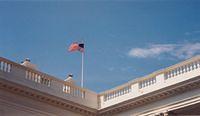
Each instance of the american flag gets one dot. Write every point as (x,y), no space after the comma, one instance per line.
(76,47)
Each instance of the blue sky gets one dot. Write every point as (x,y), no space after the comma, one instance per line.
(123,40)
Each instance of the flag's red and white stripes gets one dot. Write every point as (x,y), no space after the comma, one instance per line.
(76,47)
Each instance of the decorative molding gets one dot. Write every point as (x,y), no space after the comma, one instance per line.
(152,97)
(46,98)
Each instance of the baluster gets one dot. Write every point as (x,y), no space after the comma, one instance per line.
(114,94)
(39,79)
(29,77)
(175,72)
(125,89)
(144,84)
(181,69)
(9,67)
(2,65)
(105,97)
(166,76)
(75,89)
(140,85)
(64,88)
(195,65)
(169,75)
(5,66)
(83,94)
(36,75)
(79,93)
(26,75)
(185,69)
(111,95)
(71,90)
(178,71)
(120,92)
(49,82)
(108,96)
(198,64)
(45,81)
(191,66)
(172,73)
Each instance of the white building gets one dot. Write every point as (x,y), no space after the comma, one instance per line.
(25,91)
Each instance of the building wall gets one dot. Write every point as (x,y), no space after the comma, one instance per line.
(15,105)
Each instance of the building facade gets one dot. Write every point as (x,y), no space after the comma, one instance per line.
(173,91)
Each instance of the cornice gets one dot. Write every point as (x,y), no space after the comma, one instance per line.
(46,98)
(121,107)
(152,97)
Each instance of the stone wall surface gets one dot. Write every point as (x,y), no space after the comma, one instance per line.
(15,105)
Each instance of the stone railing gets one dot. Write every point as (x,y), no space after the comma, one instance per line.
(74,90)
(38,78)
(157,80)
(5,66)
(116,93)
(147,82)
(182,68)
(45,83)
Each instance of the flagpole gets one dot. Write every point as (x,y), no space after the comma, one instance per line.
(82,63)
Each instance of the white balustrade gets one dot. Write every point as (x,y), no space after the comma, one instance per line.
(136,88)
(116,93)
(182,69)
(38,78)
(74,91)
(5,66)
(147,82)
(145,85)
(46,83)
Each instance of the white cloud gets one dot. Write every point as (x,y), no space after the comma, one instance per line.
(151,51)
(192,32)
(181,51)
(187,50)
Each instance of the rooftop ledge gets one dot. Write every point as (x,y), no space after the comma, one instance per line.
(44,83)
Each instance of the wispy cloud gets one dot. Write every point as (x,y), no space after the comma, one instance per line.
(181,51)
(192,32)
